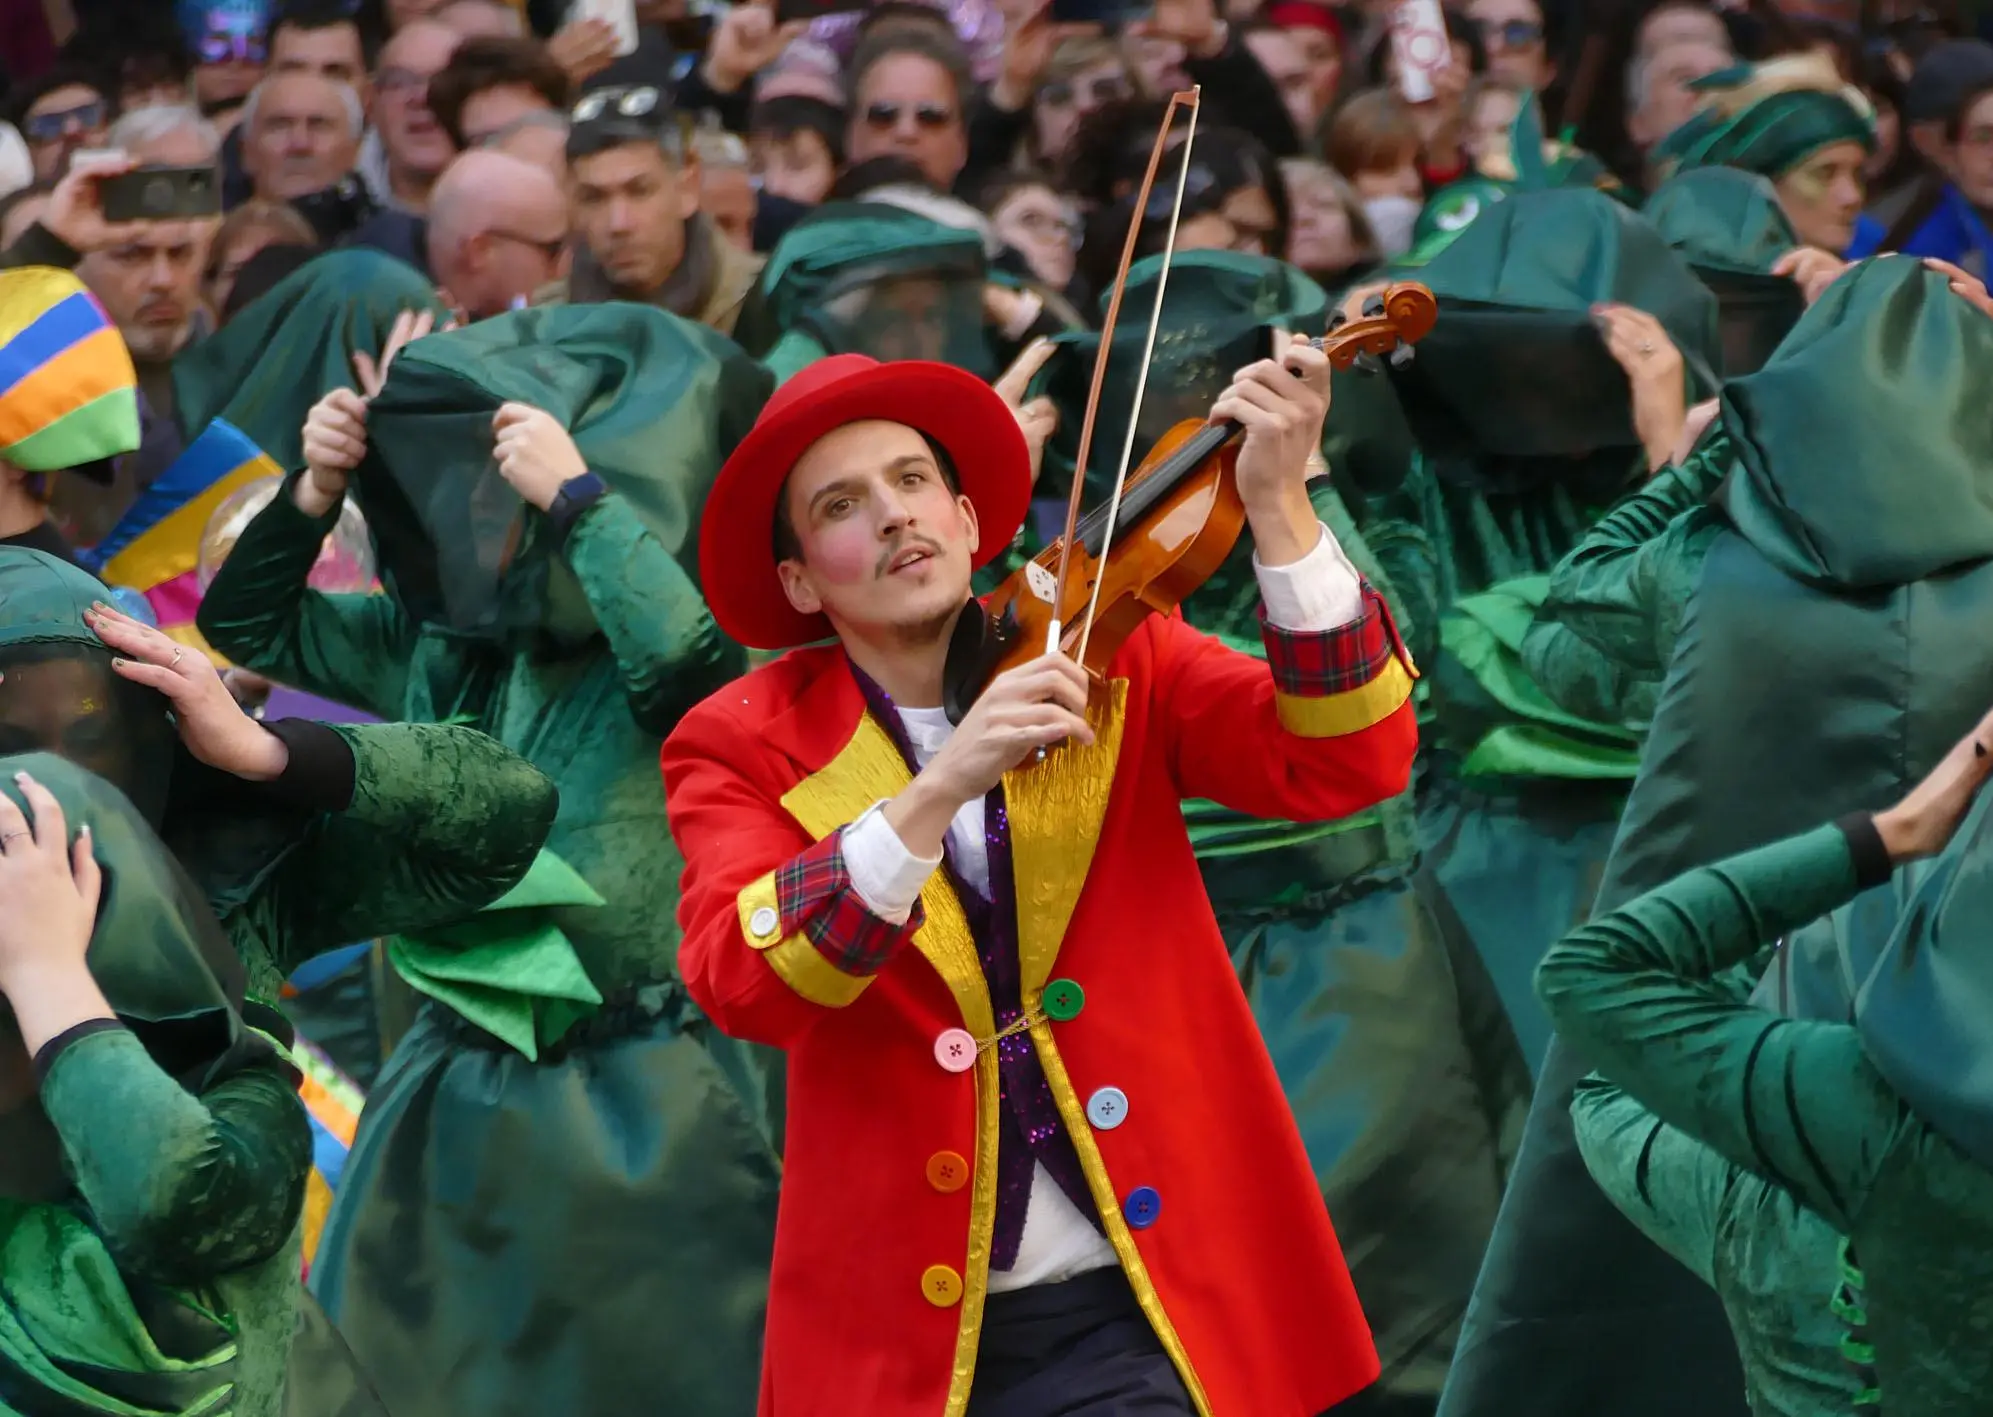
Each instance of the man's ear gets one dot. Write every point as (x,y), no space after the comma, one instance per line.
(688,186)
(796,584)
(969,520)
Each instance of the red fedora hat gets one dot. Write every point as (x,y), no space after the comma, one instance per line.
(965,416)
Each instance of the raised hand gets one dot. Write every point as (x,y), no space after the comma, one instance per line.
(211,723)
(51,888)
(747,41)
(1281,404)
(534,453)
(1654,368)
(1923,822)
(584,48)
(1809,268)
(75,212)
(1036,418)
(1966,286)
(335,440)
(408,326)
(1027,48)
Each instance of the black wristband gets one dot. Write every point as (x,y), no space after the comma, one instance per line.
(46,1055)
(1865,849)
(321,774)
(576,496)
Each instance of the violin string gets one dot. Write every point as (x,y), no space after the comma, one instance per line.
(1142,374)
(1107,328)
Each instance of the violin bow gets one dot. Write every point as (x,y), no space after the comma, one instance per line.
(1187,100)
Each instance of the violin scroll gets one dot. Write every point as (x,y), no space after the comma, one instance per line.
(1390,322)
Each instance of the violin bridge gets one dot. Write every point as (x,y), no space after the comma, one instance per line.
(1041,581)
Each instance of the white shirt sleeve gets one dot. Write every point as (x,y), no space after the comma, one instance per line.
(886,875)
(1321,591)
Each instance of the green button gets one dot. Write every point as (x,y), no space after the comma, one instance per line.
(1063,1000)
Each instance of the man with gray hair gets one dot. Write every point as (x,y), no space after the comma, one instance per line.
(497,231)
(1658,96)
(300,134)
(166,135)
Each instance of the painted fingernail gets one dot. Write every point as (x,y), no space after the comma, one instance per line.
(120,663)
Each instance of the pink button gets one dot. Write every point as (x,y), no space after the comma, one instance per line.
(955,1050)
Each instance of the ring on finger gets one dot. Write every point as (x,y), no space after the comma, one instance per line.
(175,660)
(1646,346)
(6,837)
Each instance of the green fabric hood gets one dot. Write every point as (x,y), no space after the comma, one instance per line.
(42,600)
(1864,457)
(872,278)
(655,404)
(157,952)
(1728,225)
(1769,118)
(1516,366)
(294,344)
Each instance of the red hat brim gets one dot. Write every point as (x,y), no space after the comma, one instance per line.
(965,416)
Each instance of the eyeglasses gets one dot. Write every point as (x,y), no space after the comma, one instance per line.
(222,46)
(932,116)
(1513,34)
(1051,226)
(538,118)
(1106,89)
(625,102)
(552,250)
(402,81)
(49,127)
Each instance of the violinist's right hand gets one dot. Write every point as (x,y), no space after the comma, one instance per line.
(1024,709)
(335,440)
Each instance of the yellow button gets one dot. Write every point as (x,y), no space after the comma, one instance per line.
(947,1171)
(941,1286)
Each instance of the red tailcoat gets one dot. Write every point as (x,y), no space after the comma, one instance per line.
(884,1234)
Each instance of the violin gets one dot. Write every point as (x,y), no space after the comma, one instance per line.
(1173,524)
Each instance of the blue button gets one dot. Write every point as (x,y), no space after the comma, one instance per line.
(1142,1207)
(1107,1109)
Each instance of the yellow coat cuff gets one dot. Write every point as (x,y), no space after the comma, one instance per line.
(792,956)
(1352,711)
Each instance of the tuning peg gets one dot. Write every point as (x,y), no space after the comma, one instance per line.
(1367,364)
(1373,308)
(1402,355)
(1337,321)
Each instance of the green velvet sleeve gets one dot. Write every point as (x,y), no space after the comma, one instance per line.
(352,649)
(1668,1184)
(184,1189)
(670,651)
(1604,635)
(1636,992)
(444,820)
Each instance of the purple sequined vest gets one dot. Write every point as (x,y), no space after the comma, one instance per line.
(1029,1128)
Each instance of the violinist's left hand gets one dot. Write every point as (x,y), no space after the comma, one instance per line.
(1281,403)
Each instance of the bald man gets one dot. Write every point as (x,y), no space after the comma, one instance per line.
(497,231)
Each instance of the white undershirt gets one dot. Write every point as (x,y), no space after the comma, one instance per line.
(1319,592)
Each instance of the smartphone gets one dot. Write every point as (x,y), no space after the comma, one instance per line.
(1106,13)
(1420,44)
(161,194)
(621,15)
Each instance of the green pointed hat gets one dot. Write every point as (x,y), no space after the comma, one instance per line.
(655,404)
(157,952)
(1728,225)
(1516,367)
(1768,118)
(1863,450)
(294,344)
(875,279)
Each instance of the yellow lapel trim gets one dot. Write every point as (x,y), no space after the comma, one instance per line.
(866,770)
(1056,808)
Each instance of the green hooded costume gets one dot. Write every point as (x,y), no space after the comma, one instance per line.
(294,344)
(1827,657)
(552,1206)
(870,278)
(1728,225)
(1526,434)
(1406,1081)
(437,823)
(1880,1125)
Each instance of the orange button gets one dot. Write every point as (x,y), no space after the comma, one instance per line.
(941,1286)
(947,1171)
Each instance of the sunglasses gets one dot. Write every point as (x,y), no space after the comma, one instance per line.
(620,102)
(1513,34)
(931,116)
(49,127)
(224,46)
(1061,93)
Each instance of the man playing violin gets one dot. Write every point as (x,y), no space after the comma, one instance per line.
(1037,1158)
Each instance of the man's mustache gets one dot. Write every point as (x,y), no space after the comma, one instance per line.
(932,548)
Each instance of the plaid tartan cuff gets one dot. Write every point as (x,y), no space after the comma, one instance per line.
(1314,664)
(815,898)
